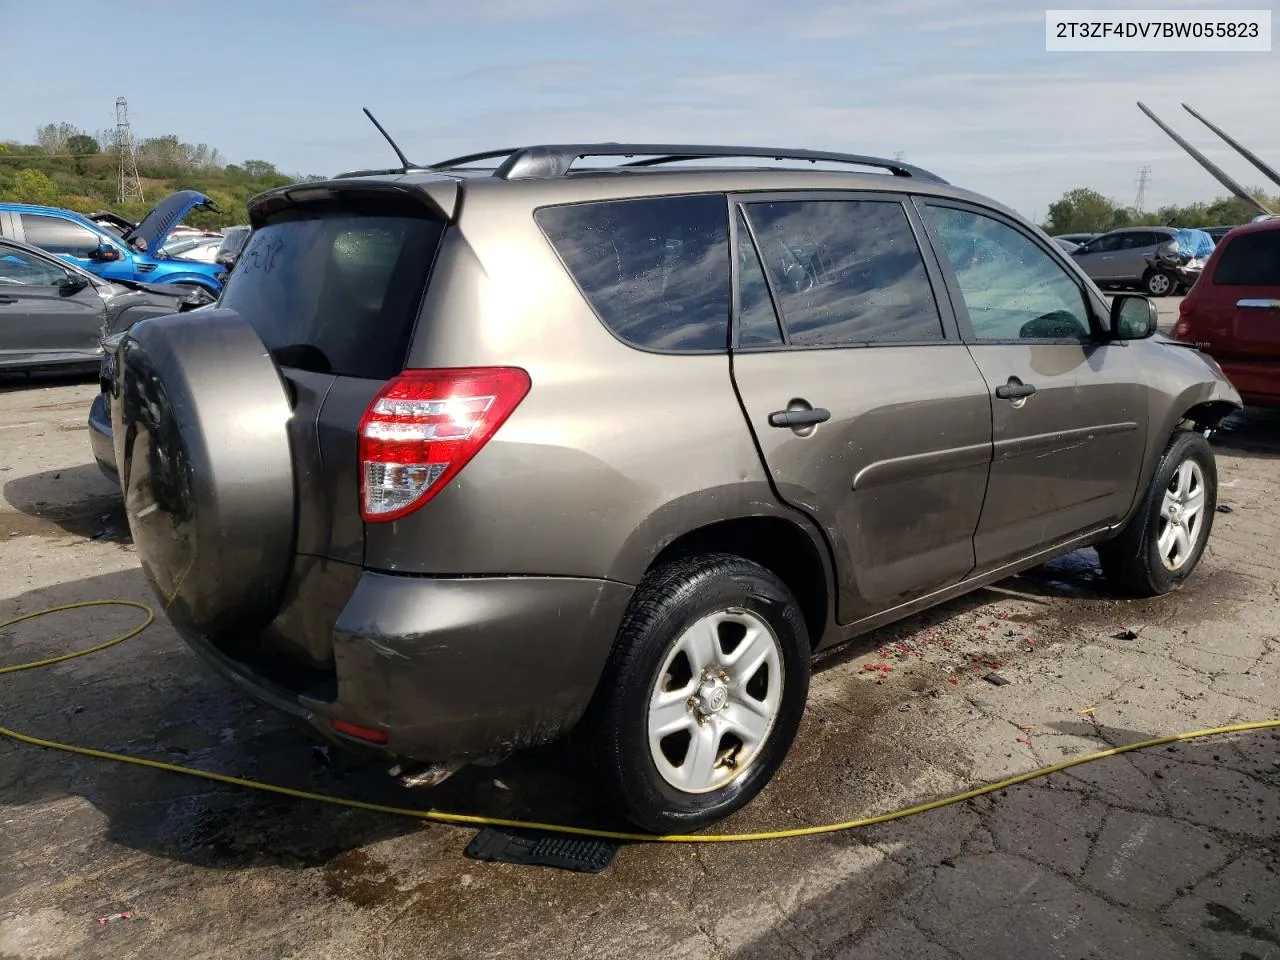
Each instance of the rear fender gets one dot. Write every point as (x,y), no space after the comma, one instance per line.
(711,512)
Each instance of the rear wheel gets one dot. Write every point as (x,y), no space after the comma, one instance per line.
(1164,541)
(1157,284)
(703,694)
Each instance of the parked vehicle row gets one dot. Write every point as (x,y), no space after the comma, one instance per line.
(465,459)
(54,314)
(111,247)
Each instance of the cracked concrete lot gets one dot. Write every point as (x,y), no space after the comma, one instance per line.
(1164,854)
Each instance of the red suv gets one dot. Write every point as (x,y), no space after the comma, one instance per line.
(1233,311)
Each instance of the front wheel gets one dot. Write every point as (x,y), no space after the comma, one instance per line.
(1161,545)
(703,693)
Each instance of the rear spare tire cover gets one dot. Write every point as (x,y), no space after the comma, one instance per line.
(206,469)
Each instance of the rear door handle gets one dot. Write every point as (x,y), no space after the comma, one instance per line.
(1259,304)
(1014,391)
(799,418)
(8,299)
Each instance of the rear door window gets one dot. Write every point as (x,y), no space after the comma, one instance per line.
(335,292)
(1250,260)
(655,270)
(846,272)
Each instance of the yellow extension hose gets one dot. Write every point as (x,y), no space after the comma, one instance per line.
(466,820)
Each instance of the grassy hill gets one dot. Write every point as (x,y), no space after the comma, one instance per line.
(70,168)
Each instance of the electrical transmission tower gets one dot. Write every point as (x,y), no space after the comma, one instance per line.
(129,186)
(1144,177)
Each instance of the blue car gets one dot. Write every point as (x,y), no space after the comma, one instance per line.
(135,256)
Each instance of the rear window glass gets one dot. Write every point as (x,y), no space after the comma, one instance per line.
(656,270)
(335,293)
(1250,260)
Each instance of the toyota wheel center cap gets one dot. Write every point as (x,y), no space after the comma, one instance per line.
(713,695)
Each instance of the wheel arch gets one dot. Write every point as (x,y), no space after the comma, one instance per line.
(780,545)
(1207,414)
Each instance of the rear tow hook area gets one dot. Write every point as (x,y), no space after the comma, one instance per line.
(417,774)
(425,774)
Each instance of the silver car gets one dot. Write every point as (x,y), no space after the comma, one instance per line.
(1120,259)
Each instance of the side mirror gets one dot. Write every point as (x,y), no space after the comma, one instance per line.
(1132,317)
(227,260)
(105,253)
(71,284)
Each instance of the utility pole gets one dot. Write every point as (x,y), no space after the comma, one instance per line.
(128,185)
(1144,177)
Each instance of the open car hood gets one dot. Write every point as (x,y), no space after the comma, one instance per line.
(104,217)
(154,229)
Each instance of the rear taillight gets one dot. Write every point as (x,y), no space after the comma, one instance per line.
(423,427)
(1182,328)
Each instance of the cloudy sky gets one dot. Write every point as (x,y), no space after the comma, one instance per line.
(963,87)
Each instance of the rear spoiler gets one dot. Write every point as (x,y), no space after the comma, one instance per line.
(438,194)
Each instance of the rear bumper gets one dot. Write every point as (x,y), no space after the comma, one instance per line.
(1257,381)
(449,669)
(100,438)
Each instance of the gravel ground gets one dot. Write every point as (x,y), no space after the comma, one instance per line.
(1164,854)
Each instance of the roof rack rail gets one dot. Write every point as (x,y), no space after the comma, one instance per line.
(382,172)
(555,160)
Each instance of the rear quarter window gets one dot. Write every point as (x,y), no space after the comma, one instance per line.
(335,292)
(1250,260)
(655,270)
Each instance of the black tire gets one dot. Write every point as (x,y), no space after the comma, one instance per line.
(1133,561)
(1157,284)
(667,602)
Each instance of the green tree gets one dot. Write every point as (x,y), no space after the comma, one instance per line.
(80,146)
(1081,211)
(32,186)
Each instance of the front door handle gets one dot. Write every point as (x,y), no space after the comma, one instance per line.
(1014,391)
(8,299)
(799,418)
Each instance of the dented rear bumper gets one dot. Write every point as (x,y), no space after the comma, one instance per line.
(446,668)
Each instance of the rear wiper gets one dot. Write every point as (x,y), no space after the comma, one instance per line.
(302,356)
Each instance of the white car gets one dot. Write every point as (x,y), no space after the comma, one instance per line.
(202,248)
